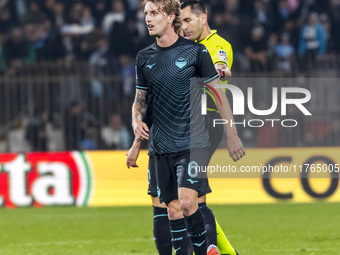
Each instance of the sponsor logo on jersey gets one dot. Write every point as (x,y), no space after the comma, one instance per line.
(150,66)
(191,181)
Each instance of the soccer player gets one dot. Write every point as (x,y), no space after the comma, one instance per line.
(194,18)
(163,71)
(195,26)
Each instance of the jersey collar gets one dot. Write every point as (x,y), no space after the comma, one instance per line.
(213,32)
(171,46)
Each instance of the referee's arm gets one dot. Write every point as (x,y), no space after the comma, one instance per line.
(234,143)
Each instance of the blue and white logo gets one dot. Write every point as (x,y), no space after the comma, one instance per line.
(191,181)
(150,66)
(199,244)
(176,250)
(181,62)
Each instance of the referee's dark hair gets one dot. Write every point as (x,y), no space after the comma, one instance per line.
(197,6)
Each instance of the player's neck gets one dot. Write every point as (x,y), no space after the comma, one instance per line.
(167,39)
(206,31)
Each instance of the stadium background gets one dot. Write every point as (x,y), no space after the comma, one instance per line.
(66,90)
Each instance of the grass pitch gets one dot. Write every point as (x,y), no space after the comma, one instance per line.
(299,229)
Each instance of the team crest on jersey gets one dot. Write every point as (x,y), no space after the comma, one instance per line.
(223,56)
(181,62)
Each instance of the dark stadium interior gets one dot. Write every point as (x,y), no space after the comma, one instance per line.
(68,78)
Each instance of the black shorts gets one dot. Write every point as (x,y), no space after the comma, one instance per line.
(152,190)
(215,133)
(177,170)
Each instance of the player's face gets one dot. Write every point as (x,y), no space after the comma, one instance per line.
(191,24)
(156,20)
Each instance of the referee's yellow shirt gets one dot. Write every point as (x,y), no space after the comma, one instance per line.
(219,49)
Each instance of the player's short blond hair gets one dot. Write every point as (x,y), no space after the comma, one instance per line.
(169,7)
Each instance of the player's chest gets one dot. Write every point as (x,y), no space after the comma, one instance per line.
(167,67)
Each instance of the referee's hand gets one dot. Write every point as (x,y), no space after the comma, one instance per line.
(224,74)
(223,71)
(235,147)
(141,131)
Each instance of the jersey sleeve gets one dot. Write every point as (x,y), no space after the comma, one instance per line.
(206,66)
(222,53)
(140,78)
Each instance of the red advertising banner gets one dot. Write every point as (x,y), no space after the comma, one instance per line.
(41,179)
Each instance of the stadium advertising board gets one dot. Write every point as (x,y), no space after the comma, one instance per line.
(44,179)
(271,175)
(101,178)
(119,186)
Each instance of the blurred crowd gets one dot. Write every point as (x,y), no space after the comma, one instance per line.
(265,34)
(287,36)
(104,33)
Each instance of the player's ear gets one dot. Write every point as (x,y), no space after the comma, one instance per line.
(171,18)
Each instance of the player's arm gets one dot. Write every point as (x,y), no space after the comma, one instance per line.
(234,143)
(139,108)
(223,71)
(133,153)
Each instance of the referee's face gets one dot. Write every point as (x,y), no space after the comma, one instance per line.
(191,24)
(156,20)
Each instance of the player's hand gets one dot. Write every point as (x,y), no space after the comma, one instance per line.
(132,156)
(141,131)
(235,147)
